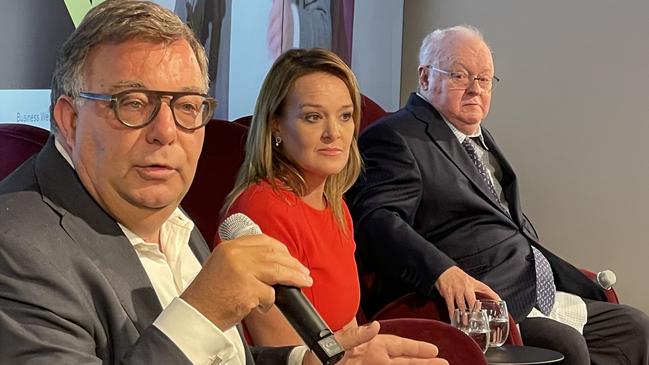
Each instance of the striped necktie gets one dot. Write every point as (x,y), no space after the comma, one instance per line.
(470,149)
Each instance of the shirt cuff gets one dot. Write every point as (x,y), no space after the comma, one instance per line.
(198,338)
(297,355)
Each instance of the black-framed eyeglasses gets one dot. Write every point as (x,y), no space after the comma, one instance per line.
(462,79)
(136,108)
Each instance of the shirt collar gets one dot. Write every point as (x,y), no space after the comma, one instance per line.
(177,223)
(63,152)
(477,137)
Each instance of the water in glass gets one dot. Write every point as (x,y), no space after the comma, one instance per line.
(475,324)
(498,320)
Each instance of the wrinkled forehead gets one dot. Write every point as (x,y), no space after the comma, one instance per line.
(139,63)
(467,51)
(142,56)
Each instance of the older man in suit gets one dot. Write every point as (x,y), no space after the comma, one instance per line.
(97,262)
(437,211)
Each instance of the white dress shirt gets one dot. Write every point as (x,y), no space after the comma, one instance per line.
(171,267)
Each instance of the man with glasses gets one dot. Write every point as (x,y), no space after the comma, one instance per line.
(437,211)
(98,264)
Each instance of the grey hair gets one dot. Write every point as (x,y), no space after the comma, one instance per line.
(116,21)
(430,52)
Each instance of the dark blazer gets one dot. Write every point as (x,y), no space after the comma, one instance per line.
(72,289)
(421,206)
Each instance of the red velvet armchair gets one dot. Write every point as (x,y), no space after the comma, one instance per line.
(244,121)
(18,142)
(223,153)
(453,344)
(370,112)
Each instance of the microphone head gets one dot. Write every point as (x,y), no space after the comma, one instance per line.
(606,279)
(237,225)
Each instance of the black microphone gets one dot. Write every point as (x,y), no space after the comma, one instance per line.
(291,301)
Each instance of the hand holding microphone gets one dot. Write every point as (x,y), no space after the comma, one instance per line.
(236,279)
(291,301)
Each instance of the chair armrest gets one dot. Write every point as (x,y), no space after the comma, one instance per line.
(611,295)
(454,346)
(414,305)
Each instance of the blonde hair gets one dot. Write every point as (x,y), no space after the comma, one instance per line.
(263,162)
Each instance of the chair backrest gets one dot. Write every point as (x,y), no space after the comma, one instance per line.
(244,121)
(414,305)
(454,346)
(370,112)
(222,155)
(18,142)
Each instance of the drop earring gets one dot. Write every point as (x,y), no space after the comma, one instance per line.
(278,141)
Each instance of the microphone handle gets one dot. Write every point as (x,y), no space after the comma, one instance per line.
(303,318)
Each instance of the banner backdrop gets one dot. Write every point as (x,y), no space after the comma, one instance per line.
(242,39)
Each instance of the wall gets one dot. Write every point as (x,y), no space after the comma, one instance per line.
(376,49)
(32,33)
(376,52)
(570,113)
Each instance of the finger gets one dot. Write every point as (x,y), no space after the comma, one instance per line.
(352,337)
(260,240)
(411,361)
(281,259)
(266,298)
(262,248)
(450,305)
(486,290)
(273,273)
(274,266)
(469,296)
(403,347)
(275,252)
(459,300)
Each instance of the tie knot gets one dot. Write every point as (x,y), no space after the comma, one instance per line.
(476,140)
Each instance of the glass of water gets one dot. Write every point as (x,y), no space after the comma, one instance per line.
(475,324)
(498,320)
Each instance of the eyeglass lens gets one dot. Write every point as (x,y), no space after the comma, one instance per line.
(464,80)
(139,107)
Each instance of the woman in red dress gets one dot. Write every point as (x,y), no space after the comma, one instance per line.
(301,156)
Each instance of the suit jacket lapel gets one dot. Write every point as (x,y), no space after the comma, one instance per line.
(199,246)
(98,235)
(444,138)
